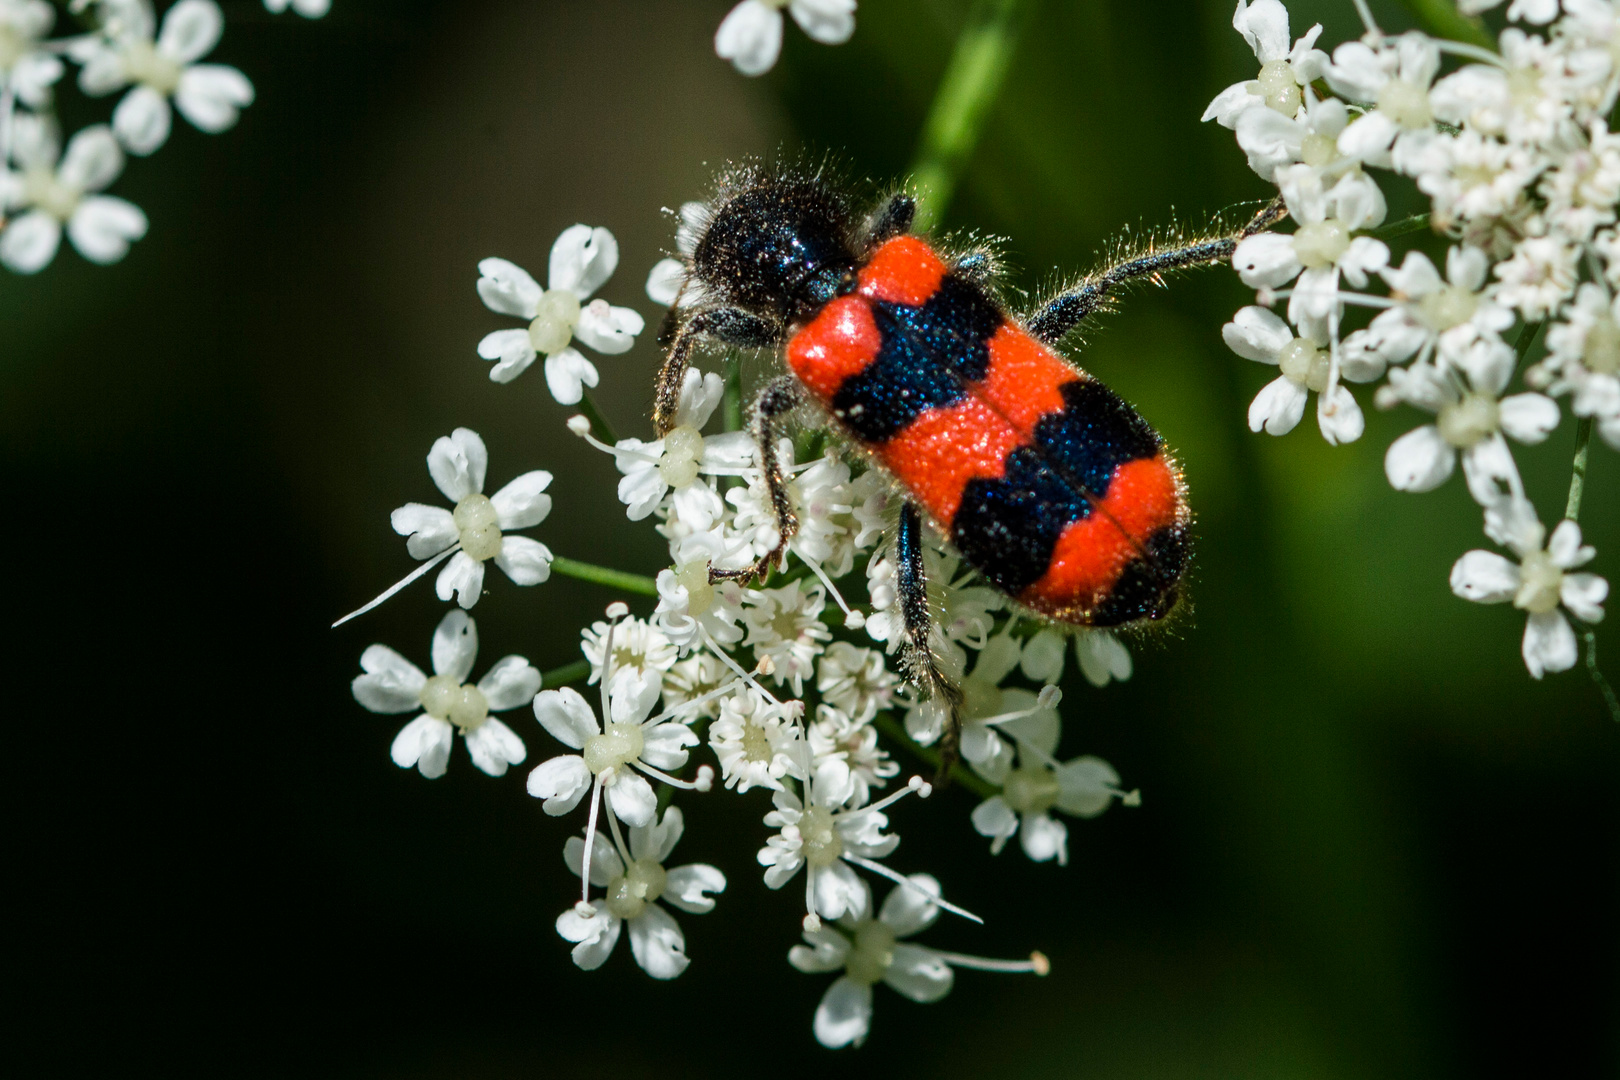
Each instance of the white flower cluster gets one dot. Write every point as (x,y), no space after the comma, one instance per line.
(1513,150)
(790,684)
(154,67)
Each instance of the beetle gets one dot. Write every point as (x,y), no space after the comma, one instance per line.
(1045,481)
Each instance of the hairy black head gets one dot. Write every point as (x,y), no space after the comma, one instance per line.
(779,247)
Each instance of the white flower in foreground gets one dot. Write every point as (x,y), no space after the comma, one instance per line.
(309,9)
(1583,358)
(1471,177)
(473,532)
(51,196)
(750,36)
(209,95)
(392,684)
(1321,249)
(1102,656)
(1272,140)
(1524,97)
(1429,314)
(609,756)
(1256,334)
(582,260)
(26,70)
(846,757)
(1395,76)
(829,841)
(635,880)
(1471,417)
(640,657)
(868,951)
(1539,277)
(785,630)
(1038,785)
(756,741)
(1283,71)
(1539,584)
(855,680)
(679,460)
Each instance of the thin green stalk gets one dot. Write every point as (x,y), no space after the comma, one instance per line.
(566,674)
(959,776)
(1577,476)
(1602,683)
(1404,227)
(732,404)
(972,79)
(1442,19)
(599,425)
(640,584)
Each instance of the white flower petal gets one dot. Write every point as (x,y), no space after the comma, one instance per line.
(596,936)
(1278,406)
(919,973)
(605,862)
(512,351)
(687,887)
(1042,660)
(424,742)
(28,243)
(826,952)
(463,578)
(211,96)
(657,839)
(522,504)
(1257,334)
(391,683)
(1044,837)
(662,744)
(844,1016)
(567,375)
(1230,104)
(93,159)
(494,746)
(1529,418)
(1086,786)
(1489,468)
(608,329)
(142,120)
(561,782)
(909,911)
(1584,594)
(428,529)
(830,22)
(632,799)
(191,29)
(526,561)
(103,226)
(1266,259)
(1420,460)
(512,682)
(657,943)
(1485,577)
(455,646)
(1264,25)
(1565,547)
(457,463)
(507,288)
(750,37)
(1549,643)
(32,78)
(1102,656)
(583,259)
(565,714)
(665,280)
(836,891)
(1344,423)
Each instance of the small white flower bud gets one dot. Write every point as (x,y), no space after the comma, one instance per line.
(579,424)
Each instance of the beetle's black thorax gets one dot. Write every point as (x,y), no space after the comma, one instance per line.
(780,249)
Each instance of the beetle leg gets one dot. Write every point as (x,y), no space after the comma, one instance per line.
(917,657)
(1058,316)
(778,398)
(894,219)
(729,325)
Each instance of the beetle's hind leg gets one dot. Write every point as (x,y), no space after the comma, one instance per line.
(778,398)
(917,658)
(1061,314)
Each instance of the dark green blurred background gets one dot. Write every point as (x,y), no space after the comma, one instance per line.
(1370,845)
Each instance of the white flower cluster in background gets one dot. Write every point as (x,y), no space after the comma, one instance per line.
(155,67)
(1513,151)
(787,687)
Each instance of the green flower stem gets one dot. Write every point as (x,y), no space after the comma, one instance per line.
(959,776)
(1577,476)
(639,584)
(1442,19)
(1404,227)
(732,404)
(566,674)
(973,78)
(599,425)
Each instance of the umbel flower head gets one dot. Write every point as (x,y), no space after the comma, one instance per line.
(633,879)
(160,68)
(866,951)
(392,684)
(49,196)
(582,260)
(476,529)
